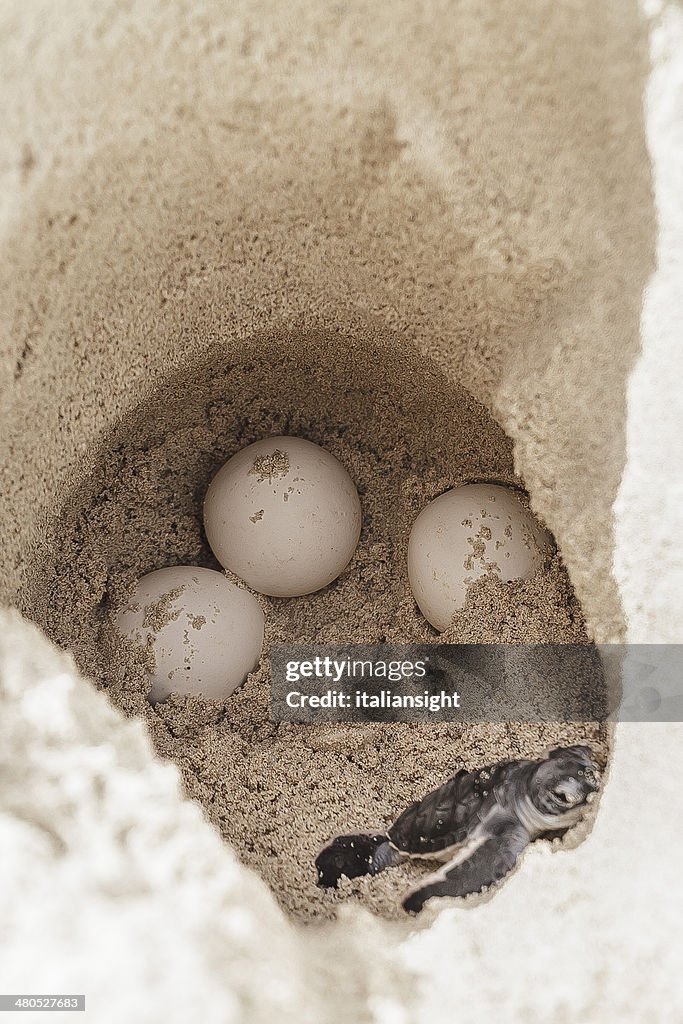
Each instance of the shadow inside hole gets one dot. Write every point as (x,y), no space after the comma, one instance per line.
(402,429)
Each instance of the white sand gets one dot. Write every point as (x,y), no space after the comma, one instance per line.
(514,253)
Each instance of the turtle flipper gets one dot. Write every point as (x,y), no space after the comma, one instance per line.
(353,856)
(484,860)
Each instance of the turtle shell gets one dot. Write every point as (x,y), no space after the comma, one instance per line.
(449,814)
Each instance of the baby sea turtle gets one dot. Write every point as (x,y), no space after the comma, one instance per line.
(476,825)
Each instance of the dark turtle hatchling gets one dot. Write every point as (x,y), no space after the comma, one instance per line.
(476,825)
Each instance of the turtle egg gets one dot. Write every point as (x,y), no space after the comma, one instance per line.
(283,515)
(466,533)
(204,633)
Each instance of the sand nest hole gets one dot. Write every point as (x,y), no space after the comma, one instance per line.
(405,433)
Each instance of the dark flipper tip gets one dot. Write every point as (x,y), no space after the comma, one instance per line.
(415,901)
(351,856)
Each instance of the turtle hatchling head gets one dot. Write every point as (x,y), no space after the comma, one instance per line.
(566,781)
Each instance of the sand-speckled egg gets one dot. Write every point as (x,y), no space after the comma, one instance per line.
(202,633)
(284,515)
(466,533)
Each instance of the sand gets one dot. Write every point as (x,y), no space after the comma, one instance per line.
(323,231)
(275,791)
(467,181)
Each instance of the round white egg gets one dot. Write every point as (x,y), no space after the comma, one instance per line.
(284,515)
(204,633)
(466,533)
